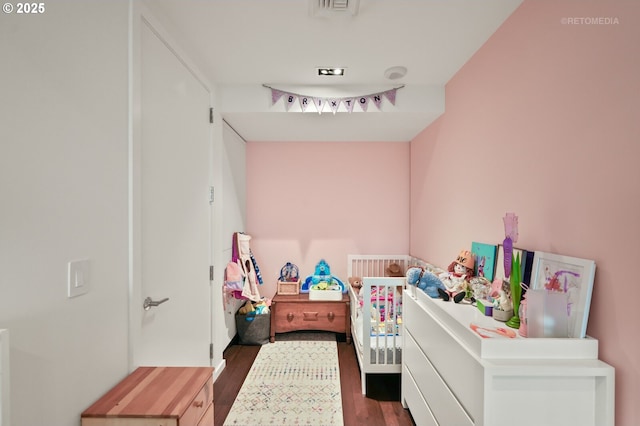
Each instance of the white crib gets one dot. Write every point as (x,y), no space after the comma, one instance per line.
(376,313)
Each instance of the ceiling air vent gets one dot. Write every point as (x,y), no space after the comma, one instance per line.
(329,8)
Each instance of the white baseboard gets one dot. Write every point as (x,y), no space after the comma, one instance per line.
(218,369)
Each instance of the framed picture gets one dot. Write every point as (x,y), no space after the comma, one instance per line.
(569,275)
(527,266)
(485,259)
(500,272)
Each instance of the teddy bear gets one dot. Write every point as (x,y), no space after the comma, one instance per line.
(356,282)
(425,281)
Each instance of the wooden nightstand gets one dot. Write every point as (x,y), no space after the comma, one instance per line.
(297,312)
(157,396)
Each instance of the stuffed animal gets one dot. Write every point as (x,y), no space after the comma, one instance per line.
(503,302)
(479,288)
(393,270)
(356,282)
(425,281)
(246,308)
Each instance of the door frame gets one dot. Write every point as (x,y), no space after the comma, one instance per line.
(140,15)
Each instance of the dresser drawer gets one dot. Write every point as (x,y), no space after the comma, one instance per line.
(413,399)
(460,370)
(441,401)
(207,419)
(198,406)
(327,316)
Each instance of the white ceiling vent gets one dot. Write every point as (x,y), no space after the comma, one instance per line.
(329,8)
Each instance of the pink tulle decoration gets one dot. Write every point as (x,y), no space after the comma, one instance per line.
(511,236)
(508,254)
(511,226)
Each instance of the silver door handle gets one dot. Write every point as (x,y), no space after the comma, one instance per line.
(149,303)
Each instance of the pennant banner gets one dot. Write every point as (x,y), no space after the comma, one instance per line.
(391,95)
(333,104)
(289,100)
(377,100)
(349,103)
(319,103)
(363,102)
(304,103)
(276,95)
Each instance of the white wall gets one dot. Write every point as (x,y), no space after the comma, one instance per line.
(233,200)
(4,377)
(63,196)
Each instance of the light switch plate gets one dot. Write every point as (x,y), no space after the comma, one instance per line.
(78,277)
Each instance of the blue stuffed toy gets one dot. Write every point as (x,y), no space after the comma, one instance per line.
(322,272)
(425,281)
(322,277)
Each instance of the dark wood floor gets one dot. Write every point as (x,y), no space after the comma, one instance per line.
(381,407)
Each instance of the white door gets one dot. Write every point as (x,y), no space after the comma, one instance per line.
(171,213)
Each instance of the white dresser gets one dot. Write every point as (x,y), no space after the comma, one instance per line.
(453,377)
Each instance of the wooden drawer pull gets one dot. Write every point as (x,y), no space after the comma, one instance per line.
(198,404)
(310,316)
(290,316)
(331,316)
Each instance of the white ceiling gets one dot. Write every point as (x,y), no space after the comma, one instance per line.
(240,45)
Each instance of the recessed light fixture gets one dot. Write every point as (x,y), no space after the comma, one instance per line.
(331,71)
(394,73)
(333,8)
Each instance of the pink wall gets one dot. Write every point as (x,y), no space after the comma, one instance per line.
(312,200)
(544,121)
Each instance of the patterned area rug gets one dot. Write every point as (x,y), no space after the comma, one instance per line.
(291,383)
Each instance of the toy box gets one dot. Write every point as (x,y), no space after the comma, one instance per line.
(253,329)
(325,294)
(288,287)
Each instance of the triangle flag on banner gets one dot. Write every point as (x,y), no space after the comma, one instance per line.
(349,103)
(276,95)
(289,100)
(363,101)
(391,95)
(334,104)
(319,103)
(377,100)
(304,103)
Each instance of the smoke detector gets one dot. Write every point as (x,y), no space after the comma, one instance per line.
(331,8)
(395,73)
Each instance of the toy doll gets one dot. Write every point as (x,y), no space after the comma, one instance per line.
(456,279)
